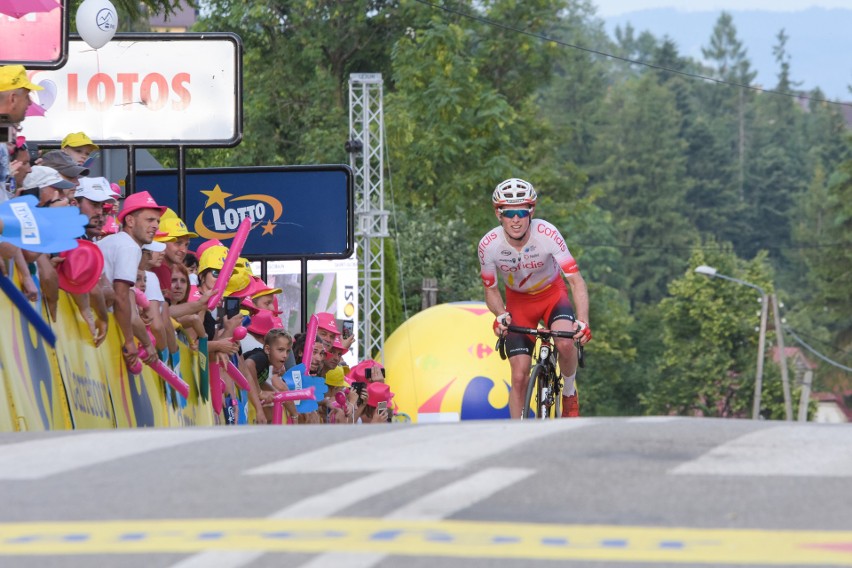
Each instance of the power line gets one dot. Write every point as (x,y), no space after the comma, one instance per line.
(801,342)
(494,23)
(710,247)
(836,349)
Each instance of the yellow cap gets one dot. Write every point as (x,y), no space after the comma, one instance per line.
(15,77)
(173,227)
(169,213)
(78,139)
(238,281)
(213,257)
(334,378)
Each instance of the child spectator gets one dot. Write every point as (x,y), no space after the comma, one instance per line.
(266,367)
(190,261)
(79,147)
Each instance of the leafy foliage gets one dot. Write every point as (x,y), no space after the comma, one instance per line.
(646,172)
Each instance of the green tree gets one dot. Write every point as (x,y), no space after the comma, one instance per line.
(709,338)
(394,315)
(133,14)
(728,116)
(827,220)
(297,60)
(642,182)
(776,173)
(446,252)
(451,131)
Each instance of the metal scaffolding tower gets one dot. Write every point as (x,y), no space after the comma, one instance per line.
(366,156)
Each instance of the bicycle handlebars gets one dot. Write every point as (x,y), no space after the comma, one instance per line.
(543,333)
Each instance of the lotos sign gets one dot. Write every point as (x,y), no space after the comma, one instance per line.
(295,211)
(154,89)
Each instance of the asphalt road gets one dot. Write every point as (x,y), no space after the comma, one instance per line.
(588,492)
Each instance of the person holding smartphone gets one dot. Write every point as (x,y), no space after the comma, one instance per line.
(376,409)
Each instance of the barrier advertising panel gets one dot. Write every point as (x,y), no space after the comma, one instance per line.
(145,89)
(296,211)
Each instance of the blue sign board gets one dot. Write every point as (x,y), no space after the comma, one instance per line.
(296,211)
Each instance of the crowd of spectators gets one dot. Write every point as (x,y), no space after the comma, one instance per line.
(133,258)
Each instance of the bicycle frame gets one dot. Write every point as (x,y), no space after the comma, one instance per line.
(544,381)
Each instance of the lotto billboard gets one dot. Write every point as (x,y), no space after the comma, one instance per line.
(144,89)
(296,211)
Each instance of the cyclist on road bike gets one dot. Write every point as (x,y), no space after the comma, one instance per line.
(531,256)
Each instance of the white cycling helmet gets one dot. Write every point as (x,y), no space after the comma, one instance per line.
(514,191)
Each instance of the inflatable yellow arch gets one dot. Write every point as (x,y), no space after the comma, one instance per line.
(443,367)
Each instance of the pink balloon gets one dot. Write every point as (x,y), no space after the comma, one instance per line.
(310,340)
(239,334)
(237,376)
(280,397)
(217,387)
(166,374)
(141,299)
(234,252)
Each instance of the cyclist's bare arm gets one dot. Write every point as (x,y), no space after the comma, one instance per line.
(494,301)
(580,296)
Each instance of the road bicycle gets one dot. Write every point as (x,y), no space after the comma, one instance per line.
(545,385)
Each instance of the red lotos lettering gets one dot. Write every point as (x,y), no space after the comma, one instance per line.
(73,101)
(162,91)
(184,96)
(127,81)
(155,91)
(101,84)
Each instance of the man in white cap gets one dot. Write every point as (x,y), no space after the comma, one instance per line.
(50,188)
(91,195)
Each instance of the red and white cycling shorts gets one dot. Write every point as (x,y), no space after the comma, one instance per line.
(528,310)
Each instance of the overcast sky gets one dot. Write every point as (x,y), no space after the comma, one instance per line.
(614,7)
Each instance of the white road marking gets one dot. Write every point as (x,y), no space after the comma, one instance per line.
(397,457)
(461,494)
(653,419)
(39,459)
(335,500)
(790,450)
(432,447)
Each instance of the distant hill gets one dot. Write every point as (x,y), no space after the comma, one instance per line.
(820,44)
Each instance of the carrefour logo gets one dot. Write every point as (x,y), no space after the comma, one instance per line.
(223,213)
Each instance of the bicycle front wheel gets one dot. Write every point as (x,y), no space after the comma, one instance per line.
(533,400)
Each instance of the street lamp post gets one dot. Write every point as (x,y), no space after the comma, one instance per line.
(758,379)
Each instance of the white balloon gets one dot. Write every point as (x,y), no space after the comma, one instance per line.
(97,21)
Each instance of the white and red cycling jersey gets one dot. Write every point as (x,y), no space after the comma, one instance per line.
(534,267)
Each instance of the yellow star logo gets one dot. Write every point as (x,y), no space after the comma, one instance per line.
(217,196)
(268,228)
